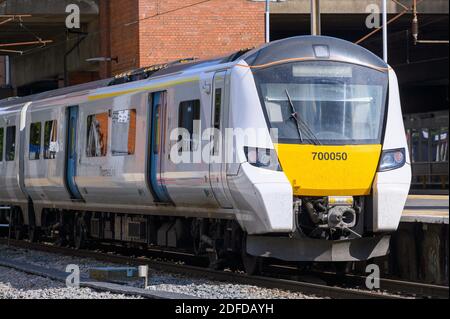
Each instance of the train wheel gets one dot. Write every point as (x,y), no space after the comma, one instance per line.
(33,233)
(216,260)
(252,264)
(342,268)
(62,239)
(17,224)
(18,232)
(80,233)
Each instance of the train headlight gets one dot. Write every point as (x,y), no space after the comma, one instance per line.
(262,157)
(392,159)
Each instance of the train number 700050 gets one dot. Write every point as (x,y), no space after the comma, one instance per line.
(330,156)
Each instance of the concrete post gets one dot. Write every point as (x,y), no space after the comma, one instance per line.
(315,17)
(267,21)
(385,26)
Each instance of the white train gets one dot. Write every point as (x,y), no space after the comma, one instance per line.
(295,150)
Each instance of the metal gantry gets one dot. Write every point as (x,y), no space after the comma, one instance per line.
(4,47)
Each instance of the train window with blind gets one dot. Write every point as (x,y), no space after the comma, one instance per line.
(123,132)
(2,133)
(97,135)
(10,144)
(50,139)
(35,141)
(188,116)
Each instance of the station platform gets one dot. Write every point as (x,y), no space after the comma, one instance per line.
(427,209)
(420,246)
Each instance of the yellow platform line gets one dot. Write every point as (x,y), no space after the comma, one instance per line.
(425,212)
(437,197)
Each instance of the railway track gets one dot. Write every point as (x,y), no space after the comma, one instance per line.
(392,289)
(392,286)
(403,287)
(113,288)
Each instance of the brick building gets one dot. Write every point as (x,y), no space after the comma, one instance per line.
(144,32)
(136,32)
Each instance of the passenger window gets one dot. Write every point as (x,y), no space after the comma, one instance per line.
(35,141)
(97,135)
(50,139)
(10,151)
(189,112)
(2,130)
(123,132)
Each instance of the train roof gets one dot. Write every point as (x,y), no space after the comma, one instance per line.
(49,94)
(314,47)
(126,77)
(285,49)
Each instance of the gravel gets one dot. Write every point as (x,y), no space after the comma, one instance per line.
(18,285)
(12,284)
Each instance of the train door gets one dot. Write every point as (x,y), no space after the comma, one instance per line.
(217,161)
(72,156)
(158,104)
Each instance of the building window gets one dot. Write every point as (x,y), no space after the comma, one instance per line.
(35,141)
(123,132)
(2,133)
(97,135)
(50,139)
(188,113)
(10,150)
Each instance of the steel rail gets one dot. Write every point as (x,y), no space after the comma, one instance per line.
(389,285)
(266,282)
(396,286)
(61,276)
(406,287)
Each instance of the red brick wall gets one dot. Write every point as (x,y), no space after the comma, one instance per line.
(80,77)
(119,34)
(195,28)
(105,37)
(172,29)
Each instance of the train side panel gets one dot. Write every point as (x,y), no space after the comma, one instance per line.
(186,173)
(44,152)
(112,143)
(10,191)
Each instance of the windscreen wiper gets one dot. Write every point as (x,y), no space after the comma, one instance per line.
(300,122)
(294,116)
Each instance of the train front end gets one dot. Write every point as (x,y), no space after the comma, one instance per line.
(334,116)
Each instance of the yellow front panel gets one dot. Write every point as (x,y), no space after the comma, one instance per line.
(317,170)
